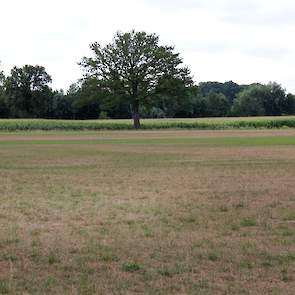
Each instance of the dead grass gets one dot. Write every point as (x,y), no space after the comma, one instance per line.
(91,135)
(160,219)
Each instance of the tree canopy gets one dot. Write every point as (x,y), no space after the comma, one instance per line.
(260,100)
(133,66)
(27,91)
(135,76)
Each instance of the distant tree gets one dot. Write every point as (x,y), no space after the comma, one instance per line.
(4,111)
(153,112)
(250,102)
(2,80)
(216,105)
(2,77)
(268,100)
(174,97)
(85,99)
(199,104)
(275,99)
(131,67)
(289,107)
(28,93)
(228,89)
(61,106)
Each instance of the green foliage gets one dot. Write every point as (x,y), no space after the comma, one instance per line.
(4,287)
(84,99)
(131,267)
(103,115)
(4,111)
(134,68)
(275,99)
(228,89)
(289,107)
(2,79)
(250,102)
(246,222)
(61,107)
(41,124)
(27,92)
(136,77)
(174,97)
(216,105)
(259,100)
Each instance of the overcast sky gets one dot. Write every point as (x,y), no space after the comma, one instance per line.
(241,40)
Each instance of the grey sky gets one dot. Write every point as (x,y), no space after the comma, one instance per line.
(241,40)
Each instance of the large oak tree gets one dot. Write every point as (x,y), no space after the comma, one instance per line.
(132,66)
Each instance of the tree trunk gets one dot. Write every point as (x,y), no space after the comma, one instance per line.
(135,114)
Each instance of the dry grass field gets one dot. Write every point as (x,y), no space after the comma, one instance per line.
(148,212)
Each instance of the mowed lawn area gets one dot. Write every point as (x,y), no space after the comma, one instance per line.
(147,212)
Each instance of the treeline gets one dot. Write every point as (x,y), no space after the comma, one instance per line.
(26,93)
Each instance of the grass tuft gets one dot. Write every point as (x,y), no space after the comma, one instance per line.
(247,222)
(4,287)
(131,267)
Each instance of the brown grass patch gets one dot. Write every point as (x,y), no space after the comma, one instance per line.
(161,219)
